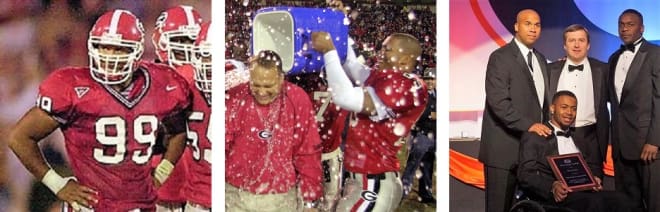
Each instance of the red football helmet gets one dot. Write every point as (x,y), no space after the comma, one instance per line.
(122,32)
(176,30)
(202,59)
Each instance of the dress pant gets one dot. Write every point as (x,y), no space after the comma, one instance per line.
(639,182)
(500,188)
(586,139)
(588,201)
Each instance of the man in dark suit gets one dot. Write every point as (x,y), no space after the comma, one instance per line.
(536,177)
(516,85)
(635,100)
(586,78)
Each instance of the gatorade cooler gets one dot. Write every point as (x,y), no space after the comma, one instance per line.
(288,31)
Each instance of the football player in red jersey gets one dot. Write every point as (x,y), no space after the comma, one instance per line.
(272,143)
(385,107)
(109,113)
(175,33)
(197,187)
(331,121)
(174,36)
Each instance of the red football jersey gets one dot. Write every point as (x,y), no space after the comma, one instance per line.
(330,117)
(109,135)
(371,147)
(171,190)
(197,188)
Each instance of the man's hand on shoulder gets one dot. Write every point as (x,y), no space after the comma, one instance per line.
(540,129)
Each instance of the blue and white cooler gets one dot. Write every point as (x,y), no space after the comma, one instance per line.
(288,30)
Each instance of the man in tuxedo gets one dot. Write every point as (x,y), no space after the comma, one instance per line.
(635,100)
(586,78)
(516,85)
(536,177)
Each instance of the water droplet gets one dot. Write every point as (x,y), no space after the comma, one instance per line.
(399,129)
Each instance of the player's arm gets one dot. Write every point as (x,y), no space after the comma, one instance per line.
(35,125)
(174,126)
(175,146)
(345,95)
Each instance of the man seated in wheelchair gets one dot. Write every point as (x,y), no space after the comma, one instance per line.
(536,177)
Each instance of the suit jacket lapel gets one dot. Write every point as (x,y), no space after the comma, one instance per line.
(555,73)
(612,70)
(520,59)
(596,76)
(634,69)
(551,147)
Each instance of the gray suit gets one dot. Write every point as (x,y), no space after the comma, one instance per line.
(512,106)
(635,122)
(590,135)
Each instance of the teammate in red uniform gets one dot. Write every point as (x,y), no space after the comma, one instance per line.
(174,36)
(385,107)
(110,114)
(197,187)
(175,33)
(272,144)
(331,121)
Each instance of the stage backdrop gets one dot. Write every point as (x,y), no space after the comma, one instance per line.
(478,27)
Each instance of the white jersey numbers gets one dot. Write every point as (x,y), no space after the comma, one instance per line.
(111,132)
(193,138)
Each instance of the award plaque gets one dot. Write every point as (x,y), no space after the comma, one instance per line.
(572,170)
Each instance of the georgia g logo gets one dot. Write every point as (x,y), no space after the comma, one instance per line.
(369,196)
(265,134)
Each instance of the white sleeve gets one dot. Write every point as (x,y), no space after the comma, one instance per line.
(343,93)
(354,69)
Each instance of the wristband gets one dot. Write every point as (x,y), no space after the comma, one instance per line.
(163,170)
(54,181)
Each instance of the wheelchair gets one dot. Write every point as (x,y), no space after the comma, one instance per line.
(524,203)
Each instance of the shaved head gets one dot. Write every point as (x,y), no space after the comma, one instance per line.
(528,27)
(400,52)
(408,44)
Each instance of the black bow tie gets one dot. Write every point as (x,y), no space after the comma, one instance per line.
(630,47)
(566,133)
(578,67)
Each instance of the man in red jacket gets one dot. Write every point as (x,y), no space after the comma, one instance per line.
(272,145)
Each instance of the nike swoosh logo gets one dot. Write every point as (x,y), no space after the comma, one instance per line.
(170,88)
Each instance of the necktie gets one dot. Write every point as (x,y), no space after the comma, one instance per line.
(578,67)
(529,60)
(566,134)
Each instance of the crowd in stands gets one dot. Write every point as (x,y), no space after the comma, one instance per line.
(370,24)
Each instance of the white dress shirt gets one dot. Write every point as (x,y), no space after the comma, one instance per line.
(537,73)
(581,84)
(564,145)
(622,66)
